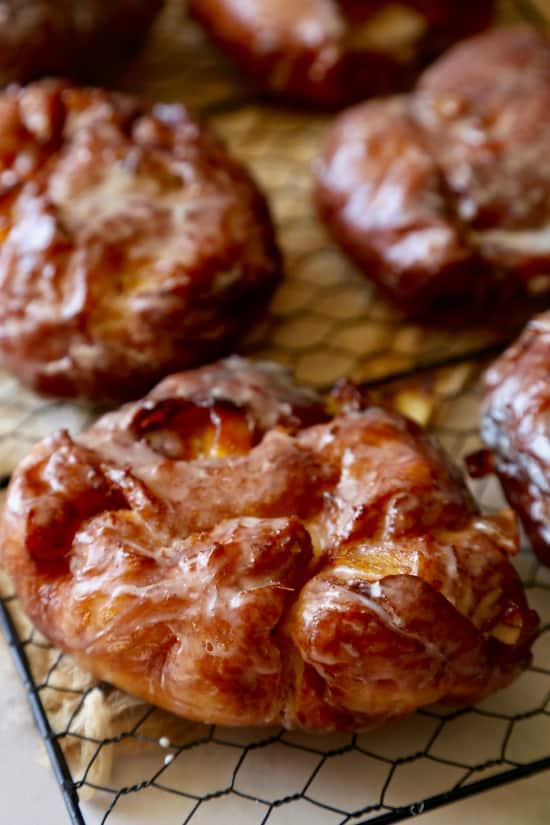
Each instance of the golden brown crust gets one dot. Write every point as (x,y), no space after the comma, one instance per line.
(231,551)
(445,193)
(516,427)
(81,39)
(132,243)
(335,52)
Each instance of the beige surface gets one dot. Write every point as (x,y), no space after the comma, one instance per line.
(439,751)
(325,321)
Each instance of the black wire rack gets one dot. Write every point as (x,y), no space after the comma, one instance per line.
(325,322)
(437,756)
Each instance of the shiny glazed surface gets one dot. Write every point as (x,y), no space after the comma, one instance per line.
(239,551)
(131,243)
(335,52)
(444,194)
(516,427)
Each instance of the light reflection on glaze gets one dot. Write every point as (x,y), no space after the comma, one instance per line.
(444,194)
(516,427)
(295,568)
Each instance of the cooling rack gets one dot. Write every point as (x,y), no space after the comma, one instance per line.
(140,763)
(203,774)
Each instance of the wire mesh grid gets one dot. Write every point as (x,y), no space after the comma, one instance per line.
(204,774)
(324,322)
